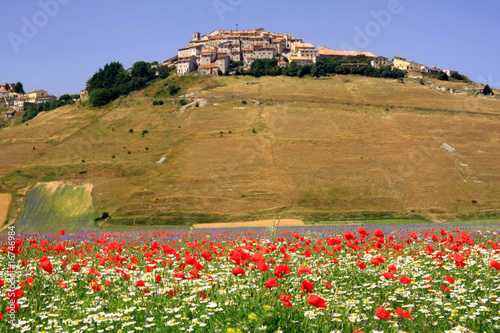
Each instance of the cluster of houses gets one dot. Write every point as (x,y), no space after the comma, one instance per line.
(212,53)
(19,102)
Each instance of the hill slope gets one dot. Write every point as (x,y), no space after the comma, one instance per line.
(338,147)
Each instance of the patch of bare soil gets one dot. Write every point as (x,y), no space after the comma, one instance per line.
(5,199)
(252,224)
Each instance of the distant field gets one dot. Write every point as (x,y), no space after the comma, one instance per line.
(342,148)
(49,207)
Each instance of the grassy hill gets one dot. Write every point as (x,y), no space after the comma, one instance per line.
(341,147)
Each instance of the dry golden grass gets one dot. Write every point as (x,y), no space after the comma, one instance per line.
(5,199)
(298,146)
(251,224)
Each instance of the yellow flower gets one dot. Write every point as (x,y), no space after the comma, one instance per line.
(253,316)
(267,307)
(230,330)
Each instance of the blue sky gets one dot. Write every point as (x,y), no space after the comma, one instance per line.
(57,45)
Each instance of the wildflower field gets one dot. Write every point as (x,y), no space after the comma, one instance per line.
(293,280)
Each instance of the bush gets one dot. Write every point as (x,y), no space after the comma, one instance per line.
(131,131)
(173,89)
(197,104)
(244,102)
(144,132)
(182,102)
(155,102)
(422,81)
(459,77)
(104,216)
(442,76)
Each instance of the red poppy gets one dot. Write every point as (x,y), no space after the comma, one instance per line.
(281,270)
(262,266)
(75,268)
(383,313)
(307,286)
(95,285)
(359,331)
(444,289)
(392,268)
(271,283)
(62,232)
(404,280)
(388,275)
(158,278)
(194,273)
(375,261)
(403,313)
(450,279)
(238,270)
(62,284)
(361,264)
(327,285)
(495,264)
(303,269)
(285,299)
(140,283)
(316,301)
(46,264)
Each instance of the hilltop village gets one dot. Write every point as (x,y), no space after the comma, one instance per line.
(221,50)
(231,51)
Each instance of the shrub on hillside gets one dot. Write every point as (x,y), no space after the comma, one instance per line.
(173,89)
(442,76)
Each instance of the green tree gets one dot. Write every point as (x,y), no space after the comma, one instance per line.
(6,86)
(163,72)
(100,97)
(65,98)
(18,88)
(113,74)
(142,69)
(442,76)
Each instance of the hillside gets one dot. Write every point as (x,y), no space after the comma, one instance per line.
(328,148)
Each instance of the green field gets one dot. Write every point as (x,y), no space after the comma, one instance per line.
(49,207)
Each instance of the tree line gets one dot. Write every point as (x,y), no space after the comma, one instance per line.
(113,81)
(262,67)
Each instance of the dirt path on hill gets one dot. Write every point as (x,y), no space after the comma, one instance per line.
(252,224)
(5,199)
